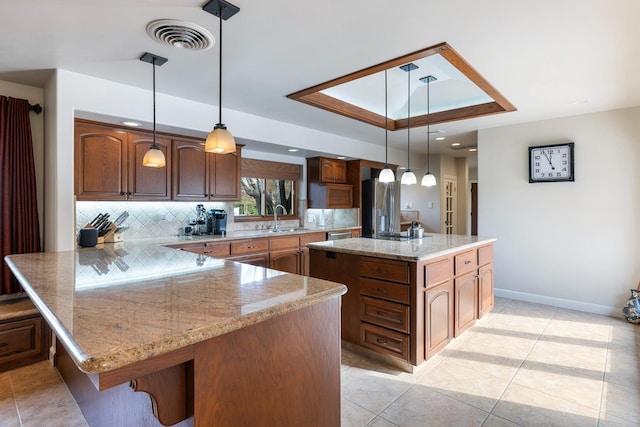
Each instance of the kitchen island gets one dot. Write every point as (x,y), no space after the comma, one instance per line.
(407,299)
(208,341)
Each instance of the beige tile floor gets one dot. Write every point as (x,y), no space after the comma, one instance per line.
(523,364)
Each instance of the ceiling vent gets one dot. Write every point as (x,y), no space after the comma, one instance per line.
(180,34)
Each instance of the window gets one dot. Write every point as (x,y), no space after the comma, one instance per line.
(265,185)
(260,196)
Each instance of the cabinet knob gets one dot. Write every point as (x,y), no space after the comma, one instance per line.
(382,313)
(3,344)
(382,291)
(467,262)
(381,271)
(381,341)
(122,193)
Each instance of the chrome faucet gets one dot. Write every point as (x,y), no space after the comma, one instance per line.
(276,224)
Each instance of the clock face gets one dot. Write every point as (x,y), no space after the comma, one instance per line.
(551,163)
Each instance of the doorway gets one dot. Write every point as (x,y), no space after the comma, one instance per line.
(474,208)
(449,205)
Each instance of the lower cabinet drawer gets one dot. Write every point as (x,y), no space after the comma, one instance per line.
(384,341)
(20,339)
(386,290)
(384,313)
(249,246)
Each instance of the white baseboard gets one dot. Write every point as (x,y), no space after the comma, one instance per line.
(560,302)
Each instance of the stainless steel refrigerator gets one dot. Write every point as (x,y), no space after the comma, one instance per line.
(380,208)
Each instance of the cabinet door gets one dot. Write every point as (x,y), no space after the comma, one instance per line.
(286,260)
(333,171)
(224,172)
(305,265)
(438,317)
(147,183)
(100,163)
(485,289)
(465,302)
(190,171)
(339,196)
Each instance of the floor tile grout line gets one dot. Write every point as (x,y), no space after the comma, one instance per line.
(522,362)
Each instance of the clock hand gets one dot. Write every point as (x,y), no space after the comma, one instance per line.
(548,157)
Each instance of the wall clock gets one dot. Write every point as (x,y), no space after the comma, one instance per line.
(551,163)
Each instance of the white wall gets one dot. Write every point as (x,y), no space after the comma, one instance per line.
(420,197)
(34,95)
(68,93)
(572,244)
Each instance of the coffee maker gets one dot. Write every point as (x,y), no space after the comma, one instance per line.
(217,222)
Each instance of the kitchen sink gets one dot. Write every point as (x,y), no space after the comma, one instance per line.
(288,230)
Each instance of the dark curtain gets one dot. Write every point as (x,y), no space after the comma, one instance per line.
(19,228)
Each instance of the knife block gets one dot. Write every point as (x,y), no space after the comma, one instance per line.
(112,236)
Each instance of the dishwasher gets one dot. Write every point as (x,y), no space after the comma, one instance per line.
(337,235)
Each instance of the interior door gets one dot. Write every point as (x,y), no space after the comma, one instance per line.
(474,208)
(449,205)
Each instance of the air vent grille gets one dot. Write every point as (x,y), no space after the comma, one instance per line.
(180,34)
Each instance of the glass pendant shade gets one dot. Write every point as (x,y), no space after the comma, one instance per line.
(386,175)
(220,141)
(408,178)
(428,180)
(154,158)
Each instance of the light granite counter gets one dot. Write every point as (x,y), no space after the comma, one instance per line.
(430,246)
(133,301)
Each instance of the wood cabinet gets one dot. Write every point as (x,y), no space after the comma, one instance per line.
(285,253)
(145,183)
(327,171)
(202,176)
(327,186)
(23,340)
(108,165)
(100,163)
(485,280)
(409,310)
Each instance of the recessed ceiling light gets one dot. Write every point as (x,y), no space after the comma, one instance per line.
(578,102)
(473,149)
(132,124)
(292,150)
(341,157)
(440,138)
(455,144)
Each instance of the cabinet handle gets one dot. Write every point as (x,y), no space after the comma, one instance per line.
(382,291)
(381,341)
(250,247)
(381,271)
(382,313)
(122,193)
(467,262)
(3,344)
(129,193)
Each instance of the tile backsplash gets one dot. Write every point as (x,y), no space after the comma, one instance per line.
(157,219)
(149,219)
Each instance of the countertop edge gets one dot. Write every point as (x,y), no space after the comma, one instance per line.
(323,246)
(122,358)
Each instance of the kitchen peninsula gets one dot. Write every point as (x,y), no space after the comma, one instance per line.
(212,342)
(408,299)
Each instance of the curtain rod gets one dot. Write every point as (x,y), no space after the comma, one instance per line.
(35,108)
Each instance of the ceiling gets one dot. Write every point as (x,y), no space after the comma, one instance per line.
(547,58)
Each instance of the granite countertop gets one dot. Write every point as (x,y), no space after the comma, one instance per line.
(128,302)
(430,246)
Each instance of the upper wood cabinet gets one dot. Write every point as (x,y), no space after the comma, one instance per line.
(108,166)
(327,171)
(100,163)
(147,183)
(333,171)
(202,176)
(327,186)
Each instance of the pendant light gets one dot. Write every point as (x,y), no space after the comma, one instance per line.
(154,157)
(428,180)
(408,177)
(220,139)
(386,174)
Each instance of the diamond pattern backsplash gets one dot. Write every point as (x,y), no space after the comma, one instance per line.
(148,219)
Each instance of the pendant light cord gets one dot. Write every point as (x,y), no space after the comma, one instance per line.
(408,118)
(386,127)
(153,64)
(220,68)
(428,135)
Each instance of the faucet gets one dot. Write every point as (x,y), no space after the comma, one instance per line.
(276,224)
